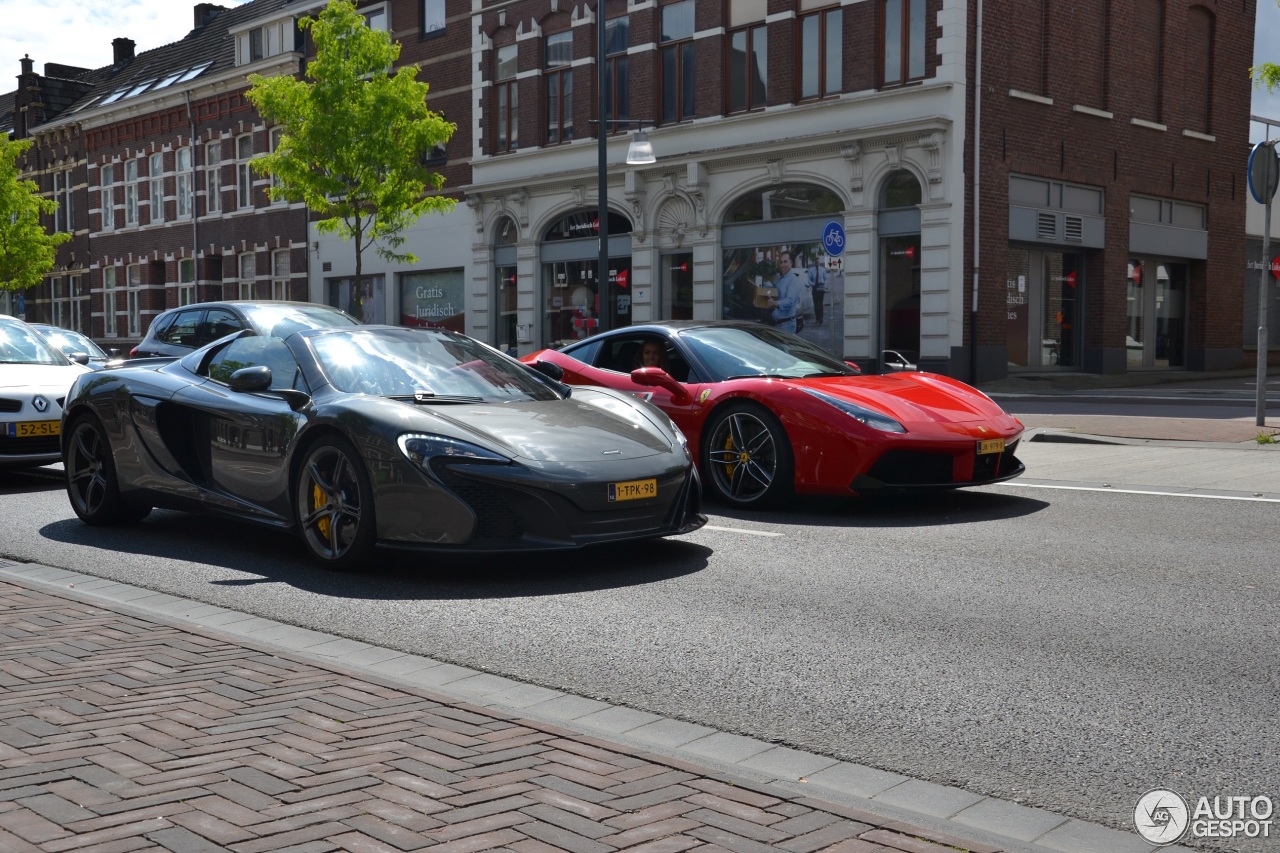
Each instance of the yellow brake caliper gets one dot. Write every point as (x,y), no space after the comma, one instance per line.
(317,501)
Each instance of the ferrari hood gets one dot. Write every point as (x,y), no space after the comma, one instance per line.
(912,398)
(53,379)
(560,431)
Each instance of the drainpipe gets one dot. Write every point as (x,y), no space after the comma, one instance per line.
(977,196)
(195,211)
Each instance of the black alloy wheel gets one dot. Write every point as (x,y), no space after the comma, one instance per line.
(335,506)
(747,457)
(92,484)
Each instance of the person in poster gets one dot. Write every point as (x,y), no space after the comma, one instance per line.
(791,284)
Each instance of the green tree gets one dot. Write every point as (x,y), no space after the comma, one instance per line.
(355,136)
(1267,74)
(27,250)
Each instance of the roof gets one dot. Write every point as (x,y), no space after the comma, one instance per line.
(205,51)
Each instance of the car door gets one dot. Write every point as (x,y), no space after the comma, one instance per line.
(243,438)
(621,354)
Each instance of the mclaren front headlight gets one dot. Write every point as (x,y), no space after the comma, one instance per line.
(423,450)
(861,414)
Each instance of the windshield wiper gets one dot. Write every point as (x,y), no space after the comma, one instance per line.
(427,397)
(751,376)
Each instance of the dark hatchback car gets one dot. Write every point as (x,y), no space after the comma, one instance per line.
(178,331)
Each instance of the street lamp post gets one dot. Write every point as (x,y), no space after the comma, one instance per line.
(639,153)
(1264,177)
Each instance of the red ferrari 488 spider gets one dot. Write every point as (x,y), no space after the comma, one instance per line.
(768,414)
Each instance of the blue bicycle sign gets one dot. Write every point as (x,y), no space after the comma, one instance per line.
(833,238)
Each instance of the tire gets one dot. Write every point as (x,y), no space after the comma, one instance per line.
(92,483)
(747,458)
(334,506)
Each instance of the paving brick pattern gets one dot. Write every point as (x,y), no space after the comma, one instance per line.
(120,734)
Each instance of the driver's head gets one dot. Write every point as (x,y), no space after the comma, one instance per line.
(651,354)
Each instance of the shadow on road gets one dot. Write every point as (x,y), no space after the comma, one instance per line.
(961,506)
(256,555)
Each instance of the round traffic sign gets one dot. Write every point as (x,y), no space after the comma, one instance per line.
(833,238)
(1264,172)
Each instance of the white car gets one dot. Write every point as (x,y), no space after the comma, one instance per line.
(34,381)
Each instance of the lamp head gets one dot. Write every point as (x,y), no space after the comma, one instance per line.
(640,152)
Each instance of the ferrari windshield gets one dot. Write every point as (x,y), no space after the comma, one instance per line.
(21,344)
(732,351)
(424,365)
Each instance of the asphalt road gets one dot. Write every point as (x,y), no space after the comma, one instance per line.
(1068,650)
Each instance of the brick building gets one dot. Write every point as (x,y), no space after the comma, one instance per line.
(1078,164)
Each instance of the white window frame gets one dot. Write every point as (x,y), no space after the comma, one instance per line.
(246,274)
(108,211)
(131,181)
(377,18)
(244,174)
(155,189)
(76,295)
(186,281)
(213,176)
(280,274)
(109,328)
(57,296)
(64,216)
(183,183)
(133,298)
(274,140)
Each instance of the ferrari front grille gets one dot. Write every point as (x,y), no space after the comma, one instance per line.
(912,468)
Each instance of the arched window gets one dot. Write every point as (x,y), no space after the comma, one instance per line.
(901,189)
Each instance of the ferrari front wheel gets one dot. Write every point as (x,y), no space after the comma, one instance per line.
(335,506)
(747,457)
(92,483)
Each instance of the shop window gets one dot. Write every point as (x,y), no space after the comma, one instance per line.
(433,299)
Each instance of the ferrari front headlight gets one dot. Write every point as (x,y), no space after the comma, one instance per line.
(861,414)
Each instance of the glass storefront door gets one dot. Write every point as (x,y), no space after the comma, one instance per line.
(900,284)
(1042,306)
(1156,322)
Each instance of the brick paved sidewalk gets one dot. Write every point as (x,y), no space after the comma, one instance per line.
(119,733)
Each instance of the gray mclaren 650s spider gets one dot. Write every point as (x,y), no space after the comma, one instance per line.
(372,436)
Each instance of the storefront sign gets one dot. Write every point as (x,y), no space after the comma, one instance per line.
(433,299)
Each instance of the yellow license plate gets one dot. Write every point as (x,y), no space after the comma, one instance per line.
(35,429)
(991,445)
(633,490)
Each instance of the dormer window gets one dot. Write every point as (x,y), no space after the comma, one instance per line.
(264,42)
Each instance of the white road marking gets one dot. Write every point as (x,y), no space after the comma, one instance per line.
(1168,492)
(740,530)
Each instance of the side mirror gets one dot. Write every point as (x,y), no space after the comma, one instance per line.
(113,352)
(251,379)
(550,370)
(854,365)
(656,377)
(79,357)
